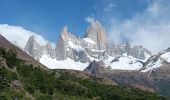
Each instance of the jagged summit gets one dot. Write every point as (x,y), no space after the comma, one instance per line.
(65,29)
(97,33)
(36,49)
(64,32)
(136,51)
(78,52)
(32,38)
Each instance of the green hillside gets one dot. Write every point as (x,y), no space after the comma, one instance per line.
(25,82)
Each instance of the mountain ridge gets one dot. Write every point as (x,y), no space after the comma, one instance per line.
(80,51)
(154,74)
(22,80)
(20,53)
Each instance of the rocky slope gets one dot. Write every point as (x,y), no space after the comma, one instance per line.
(154,74)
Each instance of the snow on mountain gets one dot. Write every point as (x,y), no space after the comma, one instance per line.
(97,33)
(124,62)
(74,46)
(89,40)
(52,63)
(20,35)
(72,52)
(166,56)
(157,61)
(151,66)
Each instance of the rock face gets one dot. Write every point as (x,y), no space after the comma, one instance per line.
(153,76)
(93,46)
(61,49)
(96,68)
(82,49)
(36,50)
(70,46)
(97,33)
(136,51)
(157,80)
(33,48)
(155,61)
(49,50)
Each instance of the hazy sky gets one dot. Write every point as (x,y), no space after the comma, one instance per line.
(144,22)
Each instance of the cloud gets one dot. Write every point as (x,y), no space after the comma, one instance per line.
(20,35)
(90,20)
(109,7)
(150,28)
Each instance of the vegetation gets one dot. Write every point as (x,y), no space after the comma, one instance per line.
(51,85)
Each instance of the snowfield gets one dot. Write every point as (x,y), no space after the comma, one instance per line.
(124,63)
(62,64)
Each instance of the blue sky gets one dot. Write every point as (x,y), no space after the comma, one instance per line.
(142,22)
(47,17)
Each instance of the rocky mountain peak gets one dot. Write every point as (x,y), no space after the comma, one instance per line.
(30,44)
(36,49)
(32,47)
(96,24)
(65,29)
(168,50)
(49,49)
(136,51)
(48,45)
(95,67)
(64,32)
(32,39)
(127,47)
(97,33)
(61,48)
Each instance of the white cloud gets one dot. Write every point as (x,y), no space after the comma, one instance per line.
(90,20)
(150,28)
(19,34)
(109,7)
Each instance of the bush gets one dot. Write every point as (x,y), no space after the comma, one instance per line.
(11,59)
(46,84)
(4,82)
(10,56)
(3,98)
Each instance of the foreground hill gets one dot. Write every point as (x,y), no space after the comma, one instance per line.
(20,53)
(20,80)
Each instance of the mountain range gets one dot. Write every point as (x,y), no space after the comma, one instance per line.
(22,77)
(124,63)
(80,51)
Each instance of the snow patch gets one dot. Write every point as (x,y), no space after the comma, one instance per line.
(151,66)
(75,47)
(154,65)
(62,64)
(124,63)
(88,40)
(166,56)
